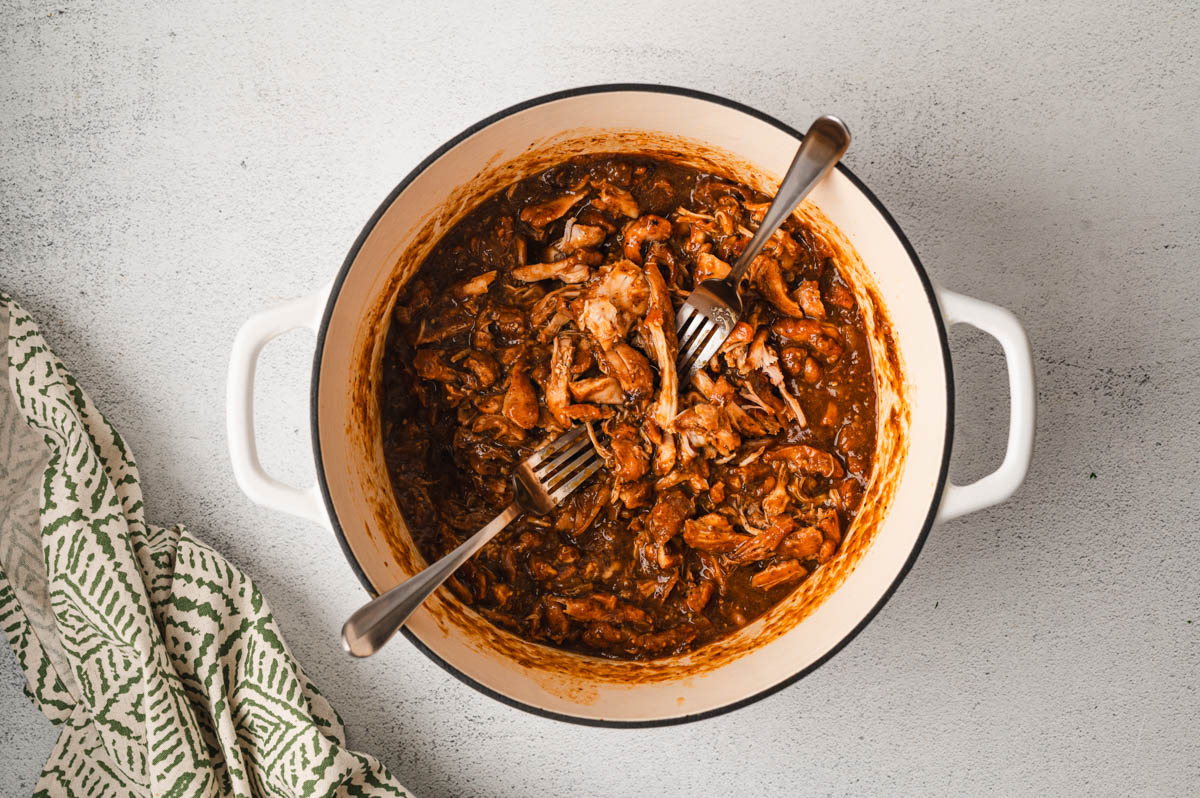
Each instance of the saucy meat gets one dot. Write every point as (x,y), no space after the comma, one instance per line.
(553,304)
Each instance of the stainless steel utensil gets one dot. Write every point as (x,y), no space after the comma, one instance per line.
(714,306)
(542,481)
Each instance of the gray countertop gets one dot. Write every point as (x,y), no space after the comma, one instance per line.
(164,174)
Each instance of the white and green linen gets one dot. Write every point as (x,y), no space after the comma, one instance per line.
(159,660)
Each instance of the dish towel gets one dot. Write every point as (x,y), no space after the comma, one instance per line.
(158,659)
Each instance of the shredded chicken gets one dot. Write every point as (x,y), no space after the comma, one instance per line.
(631,368)
(546,212)
(767,275)
(666,519)
(783,248)
(763,358)
(483,368)
(552,312)
(641,230)
(551,303)
(778,573)
(715,497)
(558,399)
(659,326)
(600,390)
(693,475)
(809,295)
(712,532)
(821,339)
(803,544)
(764,542)
(431,365)
(614,200)
(601,607)
(804,459)
(610,303)
(698,596)
(475,286)
(520,401)
(735,347)
(580,236)
(435,331)
(776,502)
(709,267)
(707,426)
(634,495)
(720,393)
(571,269)
(631,460)
(757,210)
(499,428)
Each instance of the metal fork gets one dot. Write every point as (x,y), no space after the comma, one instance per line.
(714,307)
(542,481)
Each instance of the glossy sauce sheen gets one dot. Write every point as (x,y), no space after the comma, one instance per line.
(537,312)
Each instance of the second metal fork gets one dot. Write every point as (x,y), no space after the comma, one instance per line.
(542,481)
(714,306)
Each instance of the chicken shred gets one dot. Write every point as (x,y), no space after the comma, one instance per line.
(660,330)
(475,286)
(599,390)
(520,401)
(614,200)
(763,358)
(631,368)
(767,274)
(778,573)
(809,295)
(578,236)
(710,267)
(612,302)
(546,212)
(571,269)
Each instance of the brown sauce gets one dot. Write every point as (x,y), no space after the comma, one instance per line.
(546,307)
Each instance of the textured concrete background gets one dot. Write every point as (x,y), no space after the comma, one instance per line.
(166,173)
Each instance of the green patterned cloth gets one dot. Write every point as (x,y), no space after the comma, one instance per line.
(159,661)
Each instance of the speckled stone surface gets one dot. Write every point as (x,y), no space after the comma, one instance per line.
(166,172)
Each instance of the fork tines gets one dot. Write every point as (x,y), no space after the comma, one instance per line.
(700,338)
(562,465)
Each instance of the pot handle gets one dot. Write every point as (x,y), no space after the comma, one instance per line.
(1001,324)
(255,482)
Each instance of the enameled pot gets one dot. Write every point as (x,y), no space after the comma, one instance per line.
(907,318)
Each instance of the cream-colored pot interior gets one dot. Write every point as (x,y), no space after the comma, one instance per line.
(831,605)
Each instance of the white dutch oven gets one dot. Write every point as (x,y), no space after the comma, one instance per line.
(909,493)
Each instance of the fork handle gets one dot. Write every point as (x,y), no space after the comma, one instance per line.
(824,143)
(375,622)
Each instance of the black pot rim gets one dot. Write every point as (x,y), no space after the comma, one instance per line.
(930,294)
